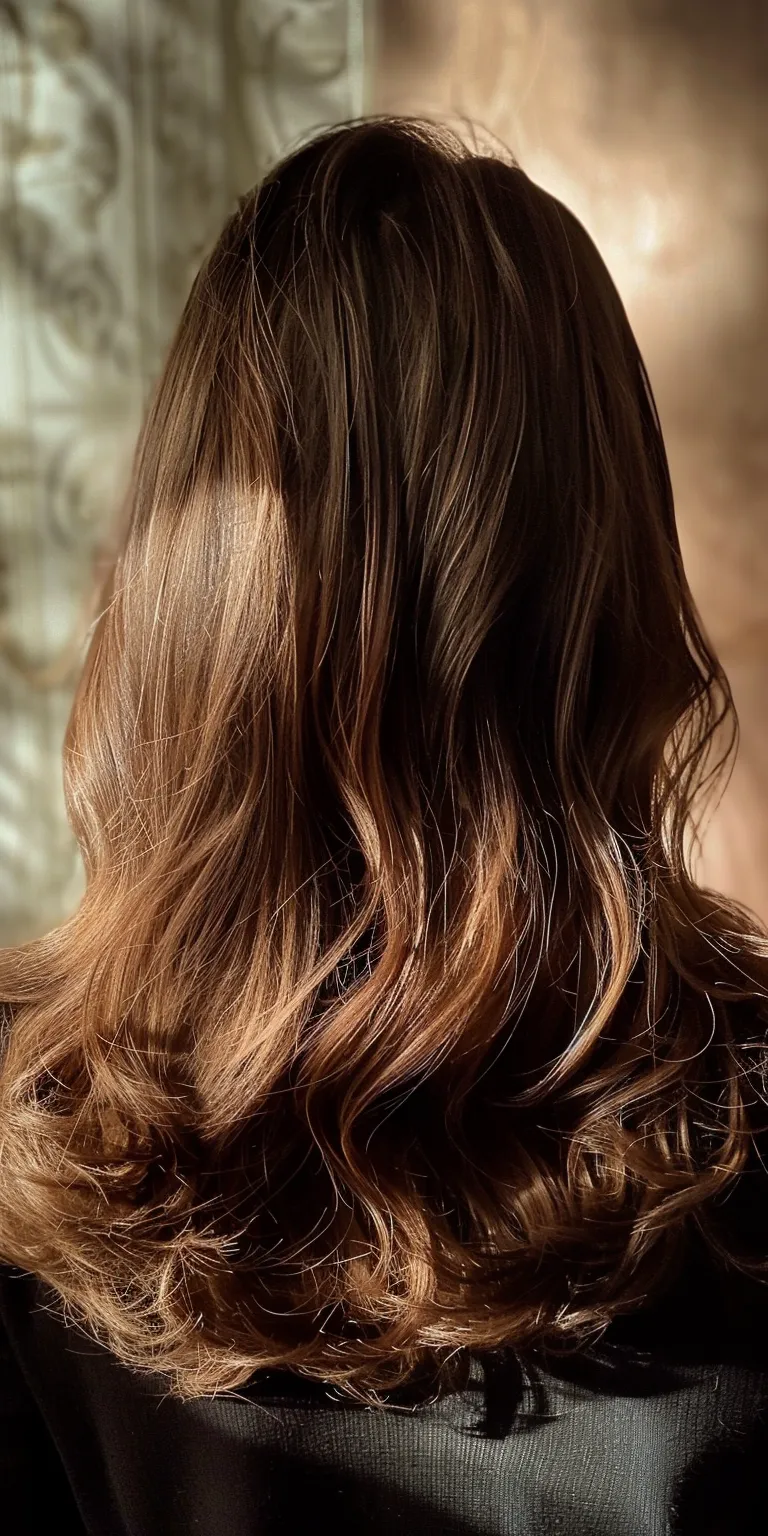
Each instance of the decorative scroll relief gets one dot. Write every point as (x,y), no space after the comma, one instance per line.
(302,66)
(127,130)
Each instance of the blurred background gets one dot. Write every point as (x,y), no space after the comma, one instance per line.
(128,128)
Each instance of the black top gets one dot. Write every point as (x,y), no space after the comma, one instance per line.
(663,1431)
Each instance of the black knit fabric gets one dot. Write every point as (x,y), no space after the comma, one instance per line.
(663,1431)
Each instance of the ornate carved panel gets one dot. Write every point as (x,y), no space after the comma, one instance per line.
(128,129)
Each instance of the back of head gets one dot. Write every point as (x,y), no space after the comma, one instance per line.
(382,764)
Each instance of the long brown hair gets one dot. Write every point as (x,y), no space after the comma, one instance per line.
(391,1023)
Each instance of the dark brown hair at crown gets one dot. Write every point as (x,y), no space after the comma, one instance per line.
(391,1023)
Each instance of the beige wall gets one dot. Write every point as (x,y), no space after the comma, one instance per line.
(651,122)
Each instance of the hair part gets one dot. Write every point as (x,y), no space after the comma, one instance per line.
(392,1023)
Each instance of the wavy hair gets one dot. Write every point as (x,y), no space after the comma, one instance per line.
(392,1024)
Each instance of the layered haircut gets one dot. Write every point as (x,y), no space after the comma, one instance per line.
(392,1024)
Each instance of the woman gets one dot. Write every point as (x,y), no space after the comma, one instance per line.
(393,1059)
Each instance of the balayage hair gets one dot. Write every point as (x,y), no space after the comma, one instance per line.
(391,1025)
